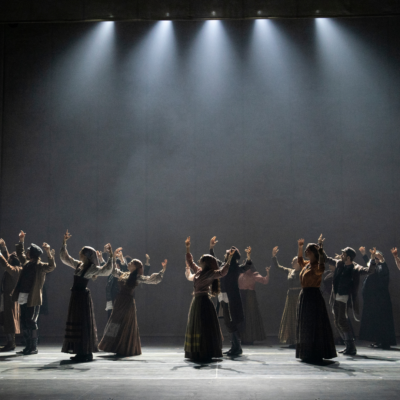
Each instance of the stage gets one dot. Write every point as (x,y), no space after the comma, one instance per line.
(161,372)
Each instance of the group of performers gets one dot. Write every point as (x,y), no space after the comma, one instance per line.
(305,326)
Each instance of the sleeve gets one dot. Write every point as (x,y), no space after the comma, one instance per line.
(332,261)
(13,271)
(219,273)
(189,275)
(245,266)
(279,267)
(153,279)
(365,258)
(116,272)
(146,269)
(213,254)
(66,258)
(397,261)
(261,279)
(5,252)
(21,252)
(301,262)
(193,266)
(105,270)
(370,269)
(320,269)
(50,266)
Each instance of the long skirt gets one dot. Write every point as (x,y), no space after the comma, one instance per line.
(121,334)
(287,330)
(9,317)
(203,339)
(252,329)
(314,333)
(81,331)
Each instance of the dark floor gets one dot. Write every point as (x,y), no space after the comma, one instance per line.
(262,372)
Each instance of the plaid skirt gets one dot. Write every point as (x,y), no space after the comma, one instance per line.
(203,339)
(252,329)
(287,330)
(314,333)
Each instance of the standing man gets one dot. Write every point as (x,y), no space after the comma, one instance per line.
(230,298)
(29,289)
(346,279)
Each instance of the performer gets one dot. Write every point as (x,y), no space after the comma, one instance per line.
(377,316)
(252,329)
(287,330)
(229,297)
(121,335)
(314,333)
(29,289)
(203,339)
(396,257)
(346,281)
(81,331)
(10,309)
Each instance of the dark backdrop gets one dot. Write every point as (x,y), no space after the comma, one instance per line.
(140,134)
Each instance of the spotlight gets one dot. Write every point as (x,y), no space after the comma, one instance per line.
(259,12)
(111,16)
(167,14)
(213,13)
(317,12)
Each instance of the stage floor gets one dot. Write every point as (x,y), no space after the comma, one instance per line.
(162,373)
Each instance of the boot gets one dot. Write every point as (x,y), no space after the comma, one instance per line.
(27,339)
(10,343)
(236,349)
(350,349)
(228,353)
(33,347)
(82,357)
(343,338)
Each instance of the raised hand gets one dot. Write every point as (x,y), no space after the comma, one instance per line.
(248,252)
(394,250)
(337,256)
(275,251)
(321,240)
(373,252)
(267,269)
(164,264)
(213,242)
(362,250)
(230,254)
(187,241)
(108,249)
(46,248)
(147,259)
(53,252)
(67,235)
(2,243)
(22,235)
(301,242)
(117,251)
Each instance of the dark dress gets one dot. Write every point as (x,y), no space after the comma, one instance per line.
(377,323)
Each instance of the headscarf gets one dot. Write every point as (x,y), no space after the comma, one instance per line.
(91,255)
(236,255)
(34,251)
(13,260)
(212,261)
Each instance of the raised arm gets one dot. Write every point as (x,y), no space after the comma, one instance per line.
(188,274)
(219,273)
(11,270)
(154,279)
(246,265)
(276,264)
(189,258)
(107,268)
(396,257)
(364,254)
(64,255)
(20,248)
(262,279)
(3,249)
(213,242)
(322,256)
(51,264)
(300,258)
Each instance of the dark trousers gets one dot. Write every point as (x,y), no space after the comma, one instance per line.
(29,317)
(341,320)
(230,325)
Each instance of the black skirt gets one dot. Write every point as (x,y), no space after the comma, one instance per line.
(314,333)
(81,332)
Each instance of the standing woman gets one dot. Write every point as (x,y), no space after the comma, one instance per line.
(314,332)
(121,335)
(10,310)
(252,328)
(287,330)
(81,331)
(203,339)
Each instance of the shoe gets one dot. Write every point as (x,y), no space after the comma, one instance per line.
(236,349)
(82,358)
(292,346)
(27,338)
(33,348)
(350,349)
(375,345)
(10,346)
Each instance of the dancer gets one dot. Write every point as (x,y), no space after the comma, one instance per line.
(314,333)
(287,330)
(81,331)
(252,329)
(229,297)
(346,281)
(203,339)
(396,257)
(29,289)
(377,323)
(10,309)
(121,335)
